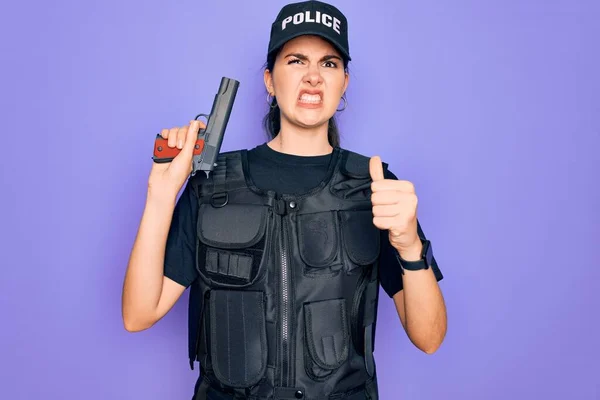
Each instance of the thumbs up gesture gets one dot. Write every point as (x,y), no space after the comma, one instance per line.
(394,208)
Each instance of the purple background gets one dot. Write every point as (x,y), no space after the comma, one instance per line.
(490,108)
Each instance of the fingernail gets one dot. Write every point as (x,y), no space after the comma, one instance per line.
(180,144)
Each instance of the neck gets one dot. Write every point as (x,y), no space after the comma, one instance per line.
(300,141)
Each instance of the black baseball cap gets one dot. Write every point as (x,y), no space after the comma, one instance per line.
(310,18)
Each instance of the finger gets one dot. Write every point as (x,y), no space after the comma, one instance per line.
(391,224)
(376,169)
(392,210)
(164,133)
(383,222)
(181,135)
(172,140)
(386,197)
(393,184)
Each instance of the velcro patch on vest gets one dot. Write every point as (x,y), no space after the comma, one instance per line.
(238,336)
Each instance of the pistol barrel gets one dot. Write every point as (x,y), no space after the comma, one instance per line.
(216,125)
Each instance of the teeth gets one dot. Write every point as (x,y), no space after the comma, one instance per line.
(310,98)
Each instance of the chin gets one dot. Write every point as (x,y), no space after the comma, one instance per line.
(311,118)
(310,122)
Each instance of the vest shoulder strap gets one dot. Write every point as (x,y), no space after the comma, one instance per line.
(356,165)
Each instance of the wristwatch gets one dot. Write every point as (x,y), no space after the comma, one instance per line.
(423,263)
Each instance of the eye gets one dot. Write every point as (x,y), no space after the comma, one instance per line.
(330,64)
(293,61)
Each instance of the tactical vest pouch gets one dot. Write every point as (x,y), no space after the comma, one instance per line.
(238,337)
(318,243)
(360,237)
(327,337)
(321,235)
(231,243)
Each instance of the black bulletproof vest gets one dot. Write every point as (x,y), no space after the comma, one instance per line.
(286,299)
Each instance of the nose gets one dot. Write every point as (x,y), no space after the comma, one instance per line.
(313,75)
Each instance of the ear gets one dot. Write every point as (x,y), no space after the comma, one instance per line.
(268,77)
(346,82)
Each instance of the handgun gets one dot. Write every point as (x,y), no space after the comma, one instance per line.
(210,138)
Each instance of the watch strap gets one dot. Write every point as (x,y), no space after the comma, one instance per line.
(424,262)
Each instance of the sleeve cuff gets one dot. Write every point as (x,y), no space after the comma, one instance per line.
(175,276)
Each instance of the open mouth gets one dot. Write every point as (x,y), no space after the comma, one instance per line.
(310,98)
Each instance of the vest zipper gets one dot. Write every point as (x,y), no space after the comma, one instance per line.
(285,305)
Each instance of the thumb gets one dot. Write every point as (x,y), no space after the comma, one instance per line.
(376,169)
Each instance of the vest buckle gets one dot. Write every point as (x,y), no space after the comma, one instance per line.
(219,200)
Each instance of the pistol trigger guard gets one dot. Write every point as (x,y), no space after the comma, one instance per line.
(202,131)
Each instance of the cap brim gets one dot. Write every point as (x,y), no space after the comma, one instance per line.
(329,38)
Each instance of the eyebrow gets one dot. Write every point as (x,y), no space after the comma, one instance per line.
(304,57)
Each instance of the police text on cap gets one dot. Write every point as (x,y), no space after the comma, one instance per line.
(306,16)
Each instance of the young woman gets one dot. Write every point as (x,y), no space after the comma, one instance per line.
(285,245)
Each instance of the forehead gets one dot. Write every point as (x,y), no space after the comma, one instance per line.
(309,44)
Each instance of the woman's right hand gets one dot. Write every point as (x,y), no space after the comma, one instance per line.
(166,179)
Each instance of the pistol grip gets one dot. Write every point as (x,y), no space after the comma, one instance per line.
(163,153)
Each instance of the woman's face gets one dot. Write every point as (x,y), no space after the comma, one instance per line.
(308,80)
